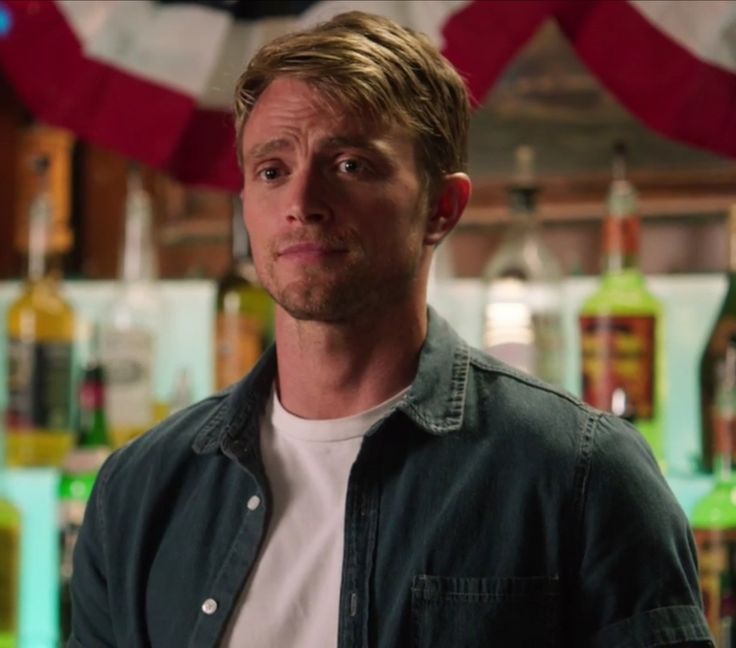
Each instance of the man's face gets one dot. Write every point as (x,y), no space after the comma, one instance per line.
(335,207)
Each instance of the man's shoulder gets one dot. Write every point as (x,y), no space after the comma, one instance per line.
(511,388)
(532,412)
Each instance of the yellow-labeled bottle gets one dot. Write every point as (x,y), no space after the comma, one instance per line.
(244,323)
(10,525)
(41,331)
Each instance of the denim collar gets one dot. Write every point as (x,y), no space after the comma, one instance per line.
(435,401)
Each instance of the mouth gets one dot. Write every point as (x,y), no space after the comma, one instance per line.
(310,251)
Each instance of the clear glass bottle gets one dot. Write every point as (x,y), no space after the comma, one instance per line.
(714,516)
(128,344)
(620,324)
(244,318)
(10,550)
(522,318)
(41,335)
(715,347)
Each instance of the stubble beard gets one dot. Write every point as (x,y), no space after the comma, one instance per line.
(350,292)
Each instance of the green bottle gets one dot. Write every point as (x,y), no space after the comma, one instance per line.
(10,543)
(714,517)
(621,323)
(92,430)
(78,476)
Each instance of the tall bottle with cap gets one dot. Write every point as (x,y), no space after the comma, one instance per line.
(621,323)
(128,333)
(715,347)
(41,334)
(244,318)
(522,323)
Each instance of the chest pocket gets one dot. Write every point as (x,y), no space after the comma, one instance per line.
(475,612)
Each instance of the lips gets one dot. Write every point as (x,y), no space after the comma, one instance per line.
(310,249)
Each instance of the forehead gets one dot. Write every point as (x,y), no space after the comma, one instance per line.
(294,108)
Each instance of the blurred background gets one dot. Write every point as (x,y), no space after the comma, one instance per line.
(598,251)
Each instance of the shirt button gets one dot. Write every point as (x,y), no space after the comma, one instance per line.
(209,606)
(253,503)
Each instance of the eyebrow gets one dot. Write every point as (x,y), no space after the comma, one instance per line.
(265,149)
(270,147)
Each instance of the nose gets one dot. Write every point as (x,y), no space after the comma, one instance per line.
(308,197)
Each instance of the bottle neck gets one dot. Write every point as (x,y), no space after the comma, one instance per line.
(44,267)
(239,241)
(241,263)
(138,257)
(622,228)
(40,257)
(523,203)
(723,468)
(621,242)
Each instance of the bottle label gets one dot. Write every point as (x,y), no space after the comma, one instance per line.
(9,579)
(240,340)
(618,354)
(717,562)
(128,356)
(40,378)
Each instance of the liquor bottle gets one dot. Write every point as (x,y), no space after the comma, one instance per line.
(723,328)
(41,334)
(714,516)
(79,472)
(128,345)
(10,538)
(620,324)
(244,319)
(92,432)
(522,323)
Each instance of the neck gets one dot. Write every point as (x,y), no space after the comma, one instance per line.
(336,369)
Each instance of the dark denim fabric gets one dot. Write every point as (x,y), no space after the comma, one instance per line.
(487,510)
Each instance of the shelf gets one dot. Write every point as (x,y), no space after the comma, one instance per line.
(581,198)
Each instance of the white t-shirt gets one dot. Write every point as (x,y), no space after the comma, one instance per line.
(292,595)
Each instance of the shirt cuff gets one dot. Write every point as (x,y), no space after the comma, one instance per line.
(660,627)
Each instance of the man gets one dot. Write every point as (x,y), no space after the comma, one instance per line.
(374,481)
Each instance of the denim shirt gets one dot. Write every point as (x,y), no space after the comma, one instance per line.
(487,509)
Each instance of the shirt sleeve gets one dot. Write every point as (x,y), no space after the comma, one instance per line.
(637,572)
(91,624)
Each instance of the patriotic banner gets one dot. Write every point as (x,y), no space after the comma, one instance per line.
(153,79)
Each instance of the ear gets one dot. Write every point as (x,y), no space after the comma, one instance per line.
(449,205)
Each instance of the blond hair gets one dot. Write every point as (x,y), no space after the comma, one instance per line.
(374,67)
